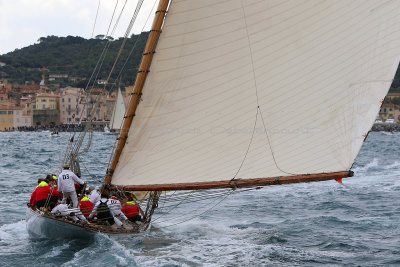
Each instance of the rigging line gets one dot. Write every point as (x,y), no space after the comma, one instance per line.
(120,73)
(104,52)
(95,20)
(134,45)
(198,215)
(229,191)
(119,17)
(112,18)
(272,151)
(128,30)
(198,196)
(170,209)
(248,147)
(163,202)
(256,88)
(202,198)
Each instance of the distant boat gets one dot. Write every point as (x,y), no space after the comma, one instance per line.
(241,94)
(118,113)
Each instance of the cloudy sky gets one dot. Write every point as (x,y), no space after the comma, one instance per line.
(23,22)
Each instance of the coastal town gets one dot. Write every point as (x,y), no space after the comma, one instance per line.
(32,107)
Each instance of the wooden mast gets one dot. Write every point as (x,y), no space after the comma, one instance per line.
(139,83)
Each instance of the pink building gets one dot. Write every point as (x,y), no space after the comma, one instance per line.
(72,104)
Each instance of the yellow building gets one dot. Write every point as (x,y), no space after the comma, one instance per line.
(387,111)
(6,118)
(46,101)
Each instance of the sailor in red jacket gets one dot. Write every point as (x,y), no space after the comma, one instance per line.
(131,210)
(86,206)
(41,195)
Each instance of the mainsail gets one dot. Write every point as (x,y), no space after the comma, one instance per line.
(118,112)
(241,90)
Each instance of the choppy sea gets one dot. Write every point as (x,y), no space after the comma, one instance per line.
(314,224)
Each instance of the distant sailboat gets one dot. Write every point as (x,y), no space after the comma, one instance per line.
(247,93)
(118,113)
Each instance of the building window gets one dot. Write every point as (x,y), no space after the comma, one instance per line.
(11,120)
(3,112)
(17,112)
(62,100)
(43,100)
(3,120)
(34,106)
(69,99)
(44,106)
(18,120)
(69,112)
(77,112)
(77,100)
(10,112)
(69,107)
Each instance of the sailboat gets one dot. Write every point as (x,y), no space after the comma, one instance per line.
(242,94)
(118,113)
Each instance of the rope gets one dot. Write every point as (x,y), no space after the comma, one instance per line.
(120,73)
(128,30)
(95,20)
(248,148)
(198,215)
(256,93)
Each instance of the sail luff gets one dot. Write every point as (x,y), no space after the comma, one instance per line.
(239,183)
(139,83)
(118,112)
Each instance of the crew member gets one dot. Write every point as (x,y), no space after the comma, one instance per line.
(115,207)
(40,196)
(66,186)
(86,206)
(93,195)
(103,213)
(131,209)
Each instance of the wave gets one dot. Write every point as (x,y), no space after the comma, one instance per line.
(13,231)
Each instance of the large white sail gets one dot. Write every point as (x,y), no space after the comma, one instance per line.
(248,89)
(118,112)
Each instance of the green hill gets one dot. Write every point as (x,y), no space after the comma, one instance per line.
(75,57)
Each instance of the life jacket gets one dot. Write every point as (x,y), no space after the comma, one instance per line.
(103,211)
(86,206)
(130,209)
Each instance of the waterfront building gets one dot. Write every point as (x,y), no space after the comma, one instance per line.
(387,111)
(72,105)
(6,117)
(46,109)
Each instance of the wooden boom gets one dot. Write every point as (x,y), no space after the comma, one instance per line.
(139,83)
(238,183)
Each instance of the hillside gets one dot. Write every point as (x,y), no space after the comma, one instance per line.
(77,57)
(72,56)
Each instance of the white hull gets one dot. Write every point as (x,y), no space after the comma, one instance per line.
(40,226)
